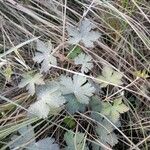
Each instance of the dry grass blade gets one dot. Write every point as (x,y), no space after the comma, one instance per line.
(101,48)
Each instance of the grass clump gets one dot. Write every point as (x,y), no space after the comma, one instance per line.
(74,74)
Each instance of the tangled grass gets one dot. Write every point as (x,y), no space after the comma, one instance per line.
(124,45)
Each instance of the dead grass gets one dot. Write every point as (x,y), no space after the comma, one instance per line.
(124,45)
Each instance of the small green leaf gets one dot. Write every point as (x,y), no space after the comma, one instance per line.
(26,134)
(121,108)
(70,122)
(96,104)
(78,86)
(44,55)
(30,79)
(95,146)
(74,52)
(75,141)
(49,100)
(110,76)
(106,134)
(44,144)
(85,61)
(26,140)
(84,33)
(73,105)
(113,111)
